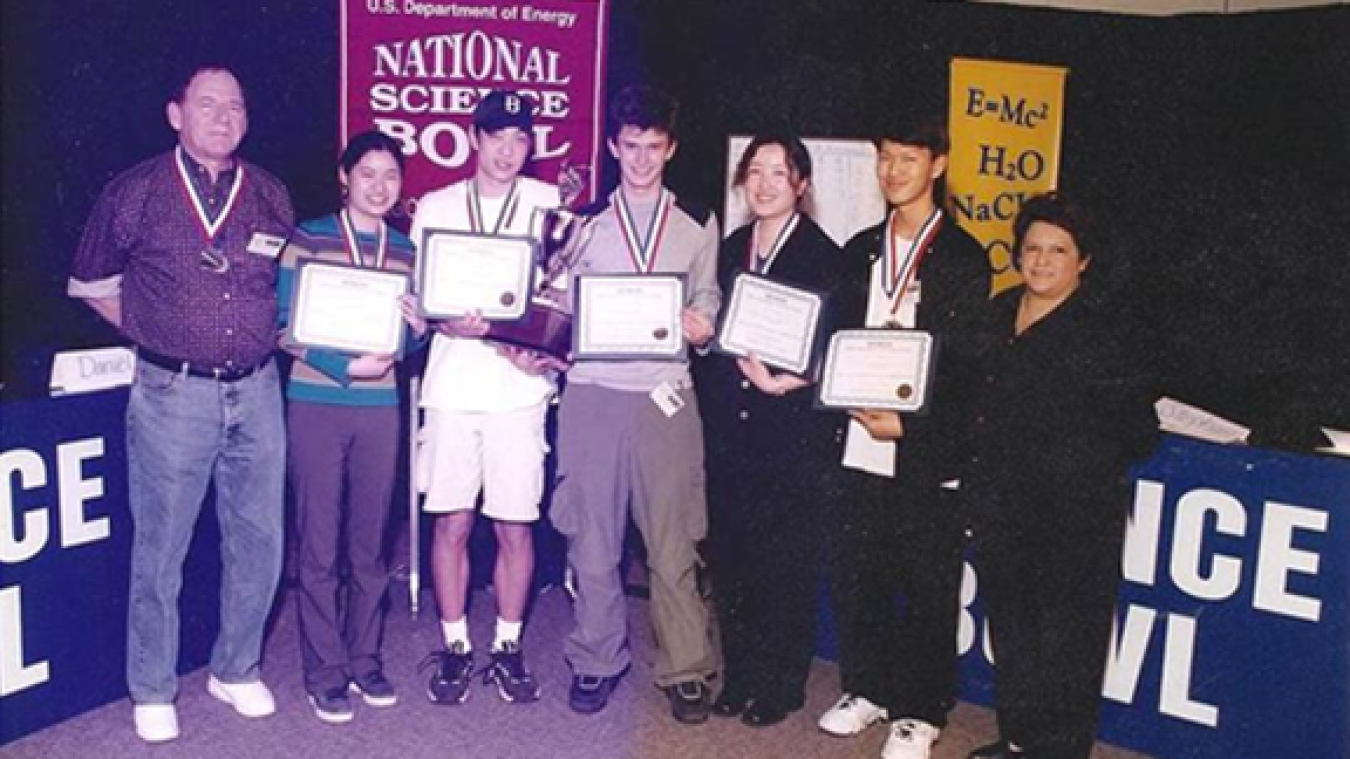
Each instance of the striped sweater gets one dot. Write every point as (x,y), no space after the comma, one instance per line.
(320,375)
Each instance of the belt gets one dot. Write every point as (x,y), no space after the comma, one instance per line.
(178,365)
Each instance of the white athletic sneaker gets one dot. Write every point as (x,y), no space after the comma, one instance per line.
(156,723)
(850,715)
(910,739)
(249,699)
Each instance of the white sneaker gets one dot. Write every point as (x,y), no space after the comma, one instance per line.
(850,715)
(249,699)
(910,739)
(156,723)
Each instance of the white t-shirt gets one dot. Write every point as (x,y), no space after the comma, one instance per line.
(467,374)
(861,450)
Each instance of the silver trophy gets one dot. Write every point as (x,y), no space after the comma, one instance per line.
(546,326)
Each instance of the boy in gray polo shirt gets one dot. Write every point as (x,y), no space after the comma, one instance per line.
(629,431)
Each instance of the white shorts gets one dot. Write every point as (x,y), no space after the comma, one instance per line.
(500,453)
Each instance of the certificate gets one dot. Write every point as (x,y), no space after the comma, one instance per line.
(628,316)
(776,322)
(347,308)
(462,272)
(888,369)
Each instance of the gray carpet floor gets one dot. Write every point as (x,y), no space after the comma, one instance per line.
(636,724)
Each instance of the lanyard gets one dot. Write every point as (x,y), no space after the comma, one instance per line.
(642,250)
(761,265)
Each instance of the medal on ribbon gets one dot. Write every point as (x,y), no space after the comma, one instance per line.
(212,254)
(642,250)
(354,246)
(504,218)
(899,269)
(761,264)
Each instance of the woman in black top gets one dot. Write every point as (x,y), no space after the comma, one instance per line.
(766,451)
(1064,408)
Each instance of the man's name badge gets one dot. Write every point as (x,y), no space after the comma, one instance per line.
(266,245)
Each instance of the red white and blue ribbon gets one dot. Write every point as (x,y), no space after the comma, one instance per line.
(504,218)
(761,264)
(899,269)
(354,247)
(642,250)
(209,228)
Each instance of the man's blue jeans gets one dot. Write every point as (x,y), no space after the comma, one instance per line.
(182,431)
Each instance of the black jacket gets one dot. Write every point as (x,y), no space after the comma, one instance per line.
(1061,411)
(739,419)
(954,279)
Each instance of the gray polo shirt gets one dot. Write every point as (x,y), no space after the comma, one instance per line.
(687,245)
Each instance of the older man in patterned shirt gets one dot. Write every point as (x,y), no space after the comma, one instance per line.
(180,255)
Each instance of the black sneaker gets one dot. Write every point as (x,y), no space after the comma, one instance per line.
(332,705)
(590,693)
(732,702)
(449,683)
(375,688)
(514,682)
(688,702)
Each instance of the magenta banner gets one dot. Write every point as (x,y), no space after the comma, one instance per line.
(416,70)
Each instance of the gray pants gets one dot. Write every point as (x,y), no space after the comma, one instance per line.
(617,448)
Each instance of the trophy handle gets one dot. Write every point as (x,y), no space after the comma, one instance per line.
(564,236)
(573,179)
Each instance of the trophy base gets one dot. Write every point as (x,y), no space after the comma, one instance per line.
(545,328)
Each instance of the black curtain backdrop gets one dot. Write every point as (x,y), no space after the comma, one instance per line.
(1213,149)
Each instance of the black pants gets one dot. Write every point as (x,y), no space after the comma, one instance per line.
(1049,575)
(765,534)
(895,579)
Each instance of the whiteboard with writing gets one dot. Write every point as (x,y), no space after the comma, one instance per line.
(844,197)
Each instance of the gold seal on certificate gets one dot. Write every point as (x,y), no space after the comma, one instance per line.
(462,272)
(628,317)
(347,308)
(778,323)
(889,369)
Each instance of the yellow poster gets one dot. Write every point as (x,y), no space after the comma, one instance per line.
(1006,121)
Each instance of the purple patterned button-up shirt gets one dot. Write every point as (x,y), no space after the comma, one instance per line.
(144,241)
